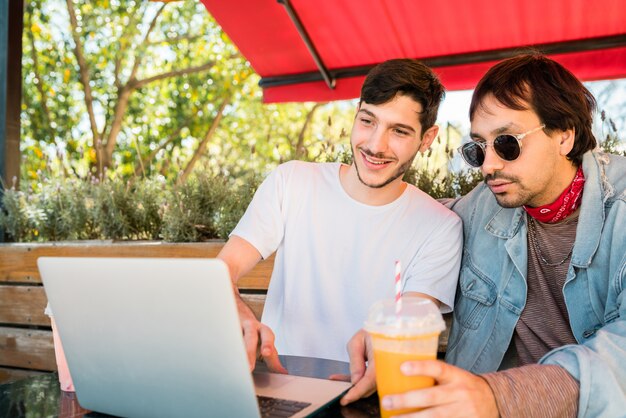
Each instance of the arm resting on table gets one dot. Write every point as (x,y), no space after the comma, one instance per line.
(534,391)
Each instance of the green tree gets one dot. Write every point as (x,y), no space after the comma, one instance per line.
(141,88)
(107,80)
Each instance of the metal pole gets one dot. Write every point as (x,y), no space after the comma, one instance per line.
(330,81)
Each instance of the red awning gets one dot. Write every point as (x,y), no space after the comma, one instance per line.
(460,39)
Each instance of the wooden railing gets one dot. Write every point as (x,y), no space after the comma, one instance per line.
(25,334)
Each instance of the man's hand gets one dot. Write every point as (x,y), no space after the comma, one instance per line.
(360,350)
(240,256)
(258,336)
(362,376)
(457,393)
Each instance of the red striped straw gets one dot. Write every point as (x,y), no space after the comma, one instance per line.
(398,287)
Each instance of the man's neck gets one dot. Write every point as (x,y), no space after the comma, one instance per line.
(369,195)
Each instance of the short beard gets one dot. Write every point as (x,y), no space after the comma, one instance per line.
(399,172)
(521,200)
(505,204)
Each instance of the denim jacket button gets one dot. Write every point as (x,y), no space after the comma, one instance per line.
(589,333)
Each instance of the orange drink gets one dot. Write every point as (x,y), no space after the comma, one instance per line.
(390,380)
(410,333)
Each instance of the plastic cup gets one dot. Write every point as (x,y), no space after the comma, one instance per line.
(412,333)
(65,379)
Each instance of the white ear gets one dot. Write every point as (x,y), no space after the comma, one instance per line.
(428,138)
(568,138)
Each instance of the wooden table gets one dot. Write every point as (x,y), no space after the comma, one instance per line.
(40,396)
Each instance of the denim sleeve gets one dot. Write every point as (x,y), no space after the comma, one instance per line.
(598,365)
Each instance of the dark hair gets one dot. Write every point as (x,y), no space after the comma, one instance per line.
(407,77)
(555,94)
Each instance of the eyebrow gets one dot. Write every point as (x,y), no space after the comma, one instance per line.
(501,130)
(395,125)
(367,112)
(405,127)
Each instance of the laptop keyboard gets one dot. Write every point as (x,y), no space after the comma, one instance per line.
(279,408)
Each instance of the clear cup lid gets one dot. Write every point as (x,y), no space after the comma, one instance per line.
(416,316)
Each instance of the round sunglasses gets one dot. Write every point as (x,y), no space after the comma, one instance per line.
(507,146)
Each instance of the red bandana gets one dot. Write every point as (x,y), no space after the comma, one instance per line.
(564,205)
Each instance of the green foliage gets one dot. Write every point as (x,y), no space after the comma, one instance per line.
(143,60)
(234,206)
(62,215)
(609,140)
(452,184)
(17,218)
(202,208)
(58,210)
(129,210)
(192,210)
(205,207)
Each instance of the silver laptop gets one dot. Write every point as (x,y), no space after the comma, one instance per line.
(150,337)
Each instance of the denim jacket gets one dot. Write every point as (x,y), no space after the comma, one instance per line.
(492,287)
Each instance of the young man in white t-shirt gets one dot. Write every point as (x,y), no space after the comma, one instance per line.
(338,229)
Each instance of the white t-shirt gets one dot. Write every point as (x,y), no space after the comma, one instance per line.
(336,256)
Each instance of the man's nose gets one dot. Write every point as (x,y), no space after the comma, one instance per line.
(492,161)
(378,141)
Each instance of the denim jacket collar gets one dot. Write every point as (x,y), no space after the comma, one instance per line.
(502,225)
(592,213)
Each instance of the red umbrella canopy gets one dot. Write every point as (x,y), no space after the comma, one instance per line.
(460,39)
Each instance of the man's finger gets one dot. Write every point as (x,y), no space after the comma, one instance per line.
(273,363)
(269,352)
(436,369)
(340,377)
(364,387)
(357,355)
(419,398)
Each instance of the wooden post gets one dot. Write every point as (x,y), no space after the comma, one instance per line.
(11,27)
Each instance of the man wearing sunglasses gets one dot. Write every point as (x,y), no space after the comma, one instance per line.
(539,324)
